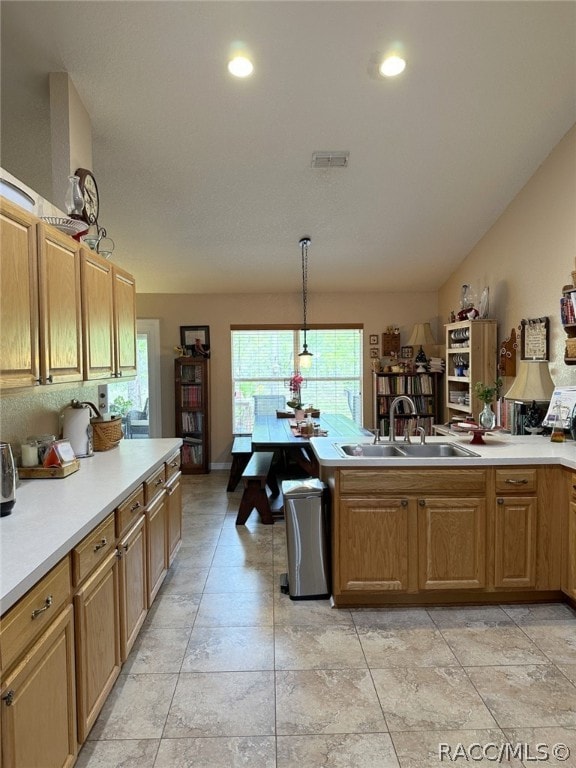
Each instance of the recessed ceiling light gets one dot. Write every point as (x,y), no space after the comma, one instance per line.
(392,66)
(240,66)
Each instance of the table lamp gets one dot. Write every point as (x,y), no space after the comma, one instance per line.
(421,334)
(533,383)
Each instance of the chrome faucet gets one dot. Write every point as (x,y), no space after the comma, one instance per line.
(400,399)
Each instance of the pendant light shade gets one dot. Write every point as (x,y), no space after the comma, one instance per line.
(305,357)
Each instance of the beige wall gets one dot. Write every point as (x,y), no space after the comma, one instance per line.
(527,256)
(374,310)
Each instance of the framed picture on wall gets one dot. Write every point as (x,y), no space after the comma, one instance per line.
(374,352)
(373,339)
(534,339)
(196,339)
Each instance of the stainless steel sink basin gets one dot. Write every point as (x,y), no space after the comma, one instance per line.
(369,451)
(441,450)
(404,450)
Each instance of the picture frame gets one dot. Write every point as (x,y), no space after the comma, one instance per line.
(195,339)
(535,338)
(374,352)
(373,339)
(407,352)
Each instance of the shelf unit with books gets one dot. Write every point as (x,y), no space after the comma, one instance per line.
(424,389)
(568,318)
(191,381)
(471,356)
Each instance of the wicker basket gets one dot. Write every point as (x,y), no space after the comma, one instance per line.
(105,434)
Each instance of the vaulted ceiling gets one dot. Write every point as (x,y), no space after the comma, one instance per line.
(206,181)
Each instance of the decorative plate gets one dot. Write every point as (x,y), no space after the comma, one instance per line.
(484,303)
(68,226)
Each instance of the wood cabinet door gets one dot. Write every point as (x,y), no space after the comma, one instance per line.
(571,549)
(97,316)
(133,592)
(515,542)
(19,338)
(376,539)
(38,707)
(452,543)
(157,550)
(60,310)
(97,642)
(124,323)
(174,516)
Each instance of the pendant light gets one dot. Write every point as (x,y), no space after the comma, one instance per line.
(305,357)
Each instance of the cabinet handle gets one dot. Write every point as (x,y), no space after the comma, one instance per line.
(136,506)
(175,464)
(49,379)
(159,481)
(404,502)
(511,481)
(422,502)
(47,603)
(500,501)
(121,550)
(101,543)
(8,698)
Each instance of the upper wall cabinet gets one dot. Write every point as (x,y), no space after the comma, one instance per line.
(41,341)
(124,295)
(108,318)
(19,354)
(60,316)
(66,313)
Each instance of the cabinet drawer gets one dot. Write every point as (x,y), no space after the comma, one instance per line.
(154,484)
(173,465)
(24,622)
(93,549)
(410,481)
(514,480)
(129,511)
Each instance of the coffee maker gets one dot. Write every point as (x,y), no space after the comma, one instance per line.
(7,480)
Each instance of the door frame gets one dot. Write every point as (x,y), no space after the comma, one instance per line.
(151,328)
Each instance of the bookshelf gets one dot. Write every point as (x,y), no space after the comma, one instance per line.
(568,318)
(191,381)
(424,389)
(471,351)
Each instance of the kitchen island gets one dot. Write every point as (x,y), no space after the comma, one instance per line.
(497,526)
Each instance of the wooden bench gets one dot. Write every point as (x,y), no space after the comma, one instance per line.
(241,452)
(256,476)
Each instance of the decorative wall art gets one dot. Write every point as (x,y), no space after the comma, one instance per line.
(196,339)
(534,338)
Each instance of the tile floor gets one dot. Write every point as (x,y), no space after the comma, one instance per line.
(229,672)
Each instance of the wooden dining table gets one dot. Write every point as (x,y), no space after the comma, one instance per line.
(272,433)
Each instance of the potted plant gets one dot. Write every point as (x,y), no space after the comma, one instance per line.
(486,394)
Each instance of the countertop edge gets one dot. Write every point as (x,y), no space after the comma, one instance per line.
(22,566)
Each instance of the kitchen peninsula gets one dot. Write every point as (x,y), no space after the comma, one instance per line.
(496,527)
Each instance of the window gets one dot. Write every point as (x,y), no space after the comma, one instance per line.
(264,359)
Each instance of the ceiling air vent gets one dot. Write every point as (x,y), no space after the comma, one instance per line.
(330,159)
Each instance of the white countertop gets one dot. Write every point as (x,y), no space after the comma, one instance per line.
(51,516)
(500,449)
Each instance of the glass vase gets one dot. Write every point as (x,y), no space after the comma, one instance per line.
(487,418)
(74,200)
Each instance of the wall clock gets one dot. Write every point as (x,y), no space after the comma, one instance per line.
(89,190)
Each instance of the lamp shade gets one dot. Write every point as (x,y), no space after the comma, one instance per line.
(421,334)
(533,382)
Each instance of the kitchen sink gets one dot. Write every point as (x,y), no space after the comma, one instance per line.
(441,450)
(404,450)
(369,450)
